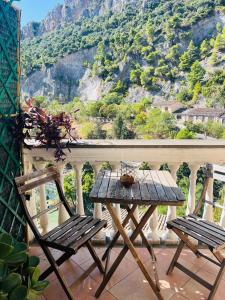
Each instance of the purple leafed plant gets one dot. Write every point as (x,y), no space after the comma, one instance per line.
(51,131)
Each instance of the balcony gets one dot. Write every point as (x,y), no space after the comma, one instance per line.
(128,283)
(195,153)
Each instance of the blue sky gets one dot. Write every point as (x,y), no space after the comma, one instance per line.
(35,10)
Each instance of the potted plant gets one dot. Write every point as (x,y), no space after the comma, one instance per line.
(19,272)
(46,129)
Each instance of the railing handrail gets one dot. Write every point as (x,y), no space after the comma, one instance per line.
(156,143)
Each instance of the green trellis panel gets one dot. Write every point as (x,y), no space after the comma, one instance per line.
(11,217)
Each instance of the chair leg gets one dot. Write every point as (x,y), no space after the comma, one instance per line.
(217,281)
(95,257)
(57,272)
(175,258)
(59,262)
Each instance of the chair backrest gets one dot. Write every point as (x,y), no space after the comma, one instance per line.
(34,180)
(216,172)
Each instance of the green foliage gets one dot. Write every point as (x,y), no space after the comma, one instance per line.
(91,130)
(214,58)
(159,125)
(196,74)
(69,188)
(147,77)
(189,57)
(135,75)
(87,184)
(215,129)
(184,95)
(121,130)
(19,273)
(195,127)
(214,89)
(118,35)
(205,49)
(185,133)
(220,41)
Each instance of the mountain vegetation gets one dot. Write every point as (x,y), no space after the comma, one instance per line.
(152,47)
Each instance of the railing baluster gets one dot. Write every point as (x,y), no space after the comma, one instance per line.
(192,188)
(222,218)
(116,168)
(43,201)
(63,214)
(170,237)
(80,202)
(153,222)
(99,237)
(208,209)
(31,205)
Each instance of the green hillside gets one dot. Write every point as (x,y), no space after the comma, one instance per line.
(158,44)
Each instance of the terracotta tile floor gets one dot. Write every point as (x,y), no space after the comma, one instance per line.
(128,281)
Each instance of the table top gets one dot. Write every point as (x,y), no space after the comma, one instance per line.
(150,188)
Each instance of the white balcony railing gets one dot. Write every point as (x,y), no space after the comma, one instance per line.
(195,153)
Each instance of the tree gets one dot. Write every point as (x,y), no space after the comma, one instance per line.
(185,134)
(188,57)
(215,129)
(196,74)
(205,48)
(146,77)
(135,76)
(112,98)
(120,129)
(196,91)
(184,95)
(149,30)
(159,125)
(120,87)
(214,58)
(173,53)
(220,41)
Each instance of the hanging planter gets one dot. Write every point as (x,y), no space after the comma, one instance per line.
(49,131)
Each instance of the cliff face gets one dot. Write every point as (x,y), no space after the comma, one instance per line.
(62,79)
(56,73)
(74,10)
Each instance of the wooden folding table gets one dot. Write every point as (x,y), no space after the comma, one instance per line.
(151,188)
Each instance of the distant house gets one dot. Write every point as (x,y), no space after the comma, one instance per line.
(203,115)
(172,107)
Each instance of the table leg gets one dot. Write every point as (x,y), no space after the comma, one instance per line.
(129,245)
(117,235)
(149,248)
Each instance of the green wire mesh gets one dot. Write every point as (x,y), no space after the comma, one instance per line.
(11,216)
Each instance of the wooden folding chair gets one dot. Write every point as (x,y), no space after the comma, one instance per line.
(68,237)
(205,232)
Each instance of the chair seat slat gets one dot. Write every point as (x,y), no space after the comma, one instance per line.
(192,234)
(89,235)
(75,226)
(200,229)
(82,230)
(213,228)
(59,228)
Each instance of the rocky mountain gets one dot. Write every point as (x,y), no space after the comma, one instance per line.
(136,48)
(74,10)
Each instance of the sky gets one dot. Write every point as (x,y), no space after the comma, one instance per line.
(35,10)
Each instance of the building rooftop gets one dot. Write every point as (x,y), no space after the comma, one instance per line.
(204,111)
(168,104)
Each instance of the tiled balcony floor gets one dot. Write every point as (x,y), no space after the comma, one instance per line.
(128,281)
